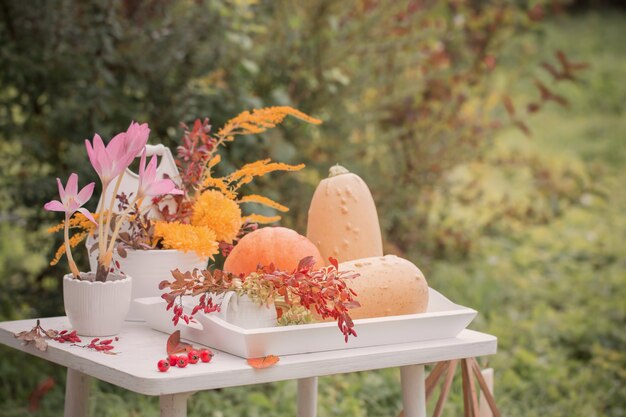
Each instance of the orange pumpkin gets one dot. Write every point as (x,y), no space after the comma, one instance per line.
(278,245)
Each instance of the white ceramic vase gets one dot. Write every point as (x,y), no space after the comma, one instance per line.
(97,308)
(148,268)
(245,313)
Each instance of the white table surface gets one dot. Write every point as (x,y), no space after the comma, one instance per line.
(140,348)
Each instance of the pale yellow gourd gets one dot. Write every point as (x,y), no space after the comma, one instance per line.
(386,286)
(343,222)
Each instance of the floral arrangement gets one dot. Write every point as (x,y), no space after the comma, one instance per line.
(299,295)
(209,208)
(197,211)
(109,162)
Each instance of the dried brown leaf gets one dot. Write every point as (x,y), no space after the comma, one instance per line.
(174,344)
(27,336)
(52,333)
(40,344)
(121,250)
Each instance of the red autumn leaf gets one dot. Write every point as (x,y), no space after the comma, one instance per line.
(334,262)
(174,345)
(264,362)
(306,263)
(352,304)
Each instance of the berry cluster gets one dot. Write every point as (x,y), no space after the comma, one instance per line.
(65,336)
(101,345)
(178,314)
(104,346)
(192,357)
(205,305)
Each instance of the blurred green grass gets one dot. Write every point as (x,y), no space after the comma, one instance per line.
(553,292)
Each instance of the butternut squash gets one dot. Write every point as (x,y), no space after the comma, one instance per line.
(343,222)
(387,286)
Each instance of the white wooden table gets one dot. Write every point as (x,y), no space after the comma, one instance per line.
(140,347)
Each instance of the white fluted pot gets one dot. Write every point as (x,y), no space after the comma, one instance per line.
(148,268)
(241,311)
(97,308)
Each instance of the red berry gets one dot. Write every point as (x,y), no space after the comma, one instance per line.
(163,365)
(173,360)
(193,356)
(206,355)
(182,361)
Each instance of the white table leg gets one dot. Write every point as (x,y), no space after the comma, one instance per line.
(413,390)
(77,387)
(307,397)
(174,405)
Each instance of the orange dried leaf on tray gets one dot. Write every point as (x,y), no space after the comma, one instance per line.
(263,362)
(174,345)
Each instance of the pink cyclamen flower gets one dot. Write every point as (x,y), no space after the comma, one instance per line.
(71,199)
(149,185)
(112,160)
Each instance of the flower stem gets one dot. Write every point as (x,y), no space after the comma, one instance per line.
(111,204)
(118,226)
(68,248)
(101,222)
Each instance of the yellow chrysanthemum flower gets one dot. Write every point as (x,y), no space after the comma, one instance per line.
(214,210)
(187,237)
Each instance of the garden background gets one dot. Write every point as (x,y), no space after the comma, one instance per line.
(491,135)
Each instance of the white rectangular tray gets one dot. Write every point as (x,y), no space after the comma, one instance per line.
(442,320)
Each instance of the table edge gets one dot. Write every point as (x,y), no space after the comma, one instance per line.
(484,344)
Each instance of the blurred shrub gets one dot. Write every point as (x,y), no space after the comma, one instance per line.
(409,92)
(406,88)
(512,187)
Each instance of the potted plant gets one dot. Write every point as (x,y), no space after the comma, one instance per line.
(96,302)
(137,252)
(187,229)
